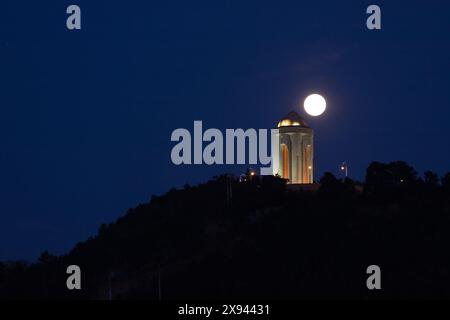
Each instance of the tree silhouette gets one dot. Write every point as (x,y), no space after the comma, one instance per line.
(431,179)
(446,182)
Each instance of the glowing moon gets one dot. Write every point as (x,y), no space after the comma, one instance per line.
(315,105)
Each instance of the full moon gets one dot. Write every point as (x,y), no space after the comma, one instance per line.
(315,105)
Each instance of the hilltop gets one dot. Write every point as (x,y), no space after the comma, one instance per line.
(230,238)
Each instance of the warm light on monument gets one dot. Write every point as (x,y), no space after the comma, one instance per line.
(294,158)
(315,105)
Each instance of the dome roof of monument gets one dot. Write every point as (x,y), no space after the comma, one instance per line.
(292,119)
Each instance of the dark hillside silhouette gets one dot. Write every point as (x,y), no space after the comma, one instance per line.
(253,238)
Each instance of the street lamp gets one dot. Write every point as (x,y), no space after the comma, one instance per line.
(344,168)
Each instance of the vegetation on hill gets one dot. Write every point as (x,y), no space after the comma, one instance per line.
(230,238)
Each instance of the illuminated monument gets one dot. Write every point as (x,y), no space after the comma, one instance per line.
(295,141)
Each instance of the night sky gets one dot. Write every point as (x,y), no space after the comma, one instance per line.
(86,116)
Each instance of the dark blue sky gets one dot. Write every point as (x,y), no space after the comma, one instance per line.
(86,116)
